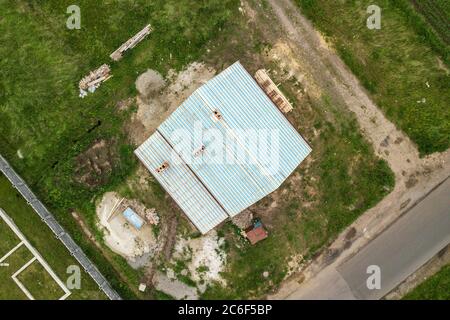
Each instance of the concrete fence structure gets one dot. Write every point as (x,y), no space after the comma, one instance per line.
(57,229)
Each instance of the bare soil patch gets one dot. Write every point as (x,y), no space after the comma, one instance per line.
(196,262)
(95,165)
(159,97)
(205,257)
(137,246)
(173,287)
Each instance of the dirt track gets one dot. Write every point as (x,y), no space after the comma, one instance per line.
(305,47)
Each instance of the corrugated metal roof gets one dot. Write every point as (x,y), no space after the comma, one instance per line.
(180,182)
(244,107)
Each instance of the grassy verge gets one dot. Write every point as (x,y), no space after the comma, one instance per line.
(403,65)
(343,179)
(435,288)
(43,240)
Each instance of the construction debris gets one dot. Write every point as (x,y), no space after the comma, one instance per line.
(92,81)
(271,89)
(151,216)
(131,43)
(142,287)
(137,246)
(243,220)
(148,215)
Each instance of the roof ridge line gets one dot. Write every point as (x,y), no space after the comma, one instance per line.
(193,172)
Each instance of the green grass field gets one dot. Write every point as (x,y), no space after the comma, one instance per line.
(22,255)
(9,239)
(39,283)
(43,240)
(437,14)
(10,290)
(345,179)
(399,64)
(35,278)
(435,288)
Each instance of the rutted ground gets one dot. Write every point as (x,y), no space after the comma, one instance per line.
(305,211)
(46,126)
(398,64)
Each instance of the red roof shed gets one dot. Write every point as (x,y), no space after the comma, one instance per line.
(257,234)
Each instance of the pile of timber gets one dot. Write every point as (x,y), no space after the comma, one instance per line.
(95,78)
(271,89)
(131,43)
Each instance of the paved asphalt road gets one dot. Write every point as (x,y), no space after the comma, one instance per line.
(399,251)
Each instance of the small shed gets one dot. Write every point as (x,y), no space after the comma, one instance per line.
(256,233)
(133,218)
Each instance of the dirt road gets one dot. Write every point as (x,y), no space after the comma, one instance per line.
(414,176)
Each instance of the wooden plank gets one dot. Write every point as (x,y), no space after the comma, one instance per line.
(272,91)
(131,43)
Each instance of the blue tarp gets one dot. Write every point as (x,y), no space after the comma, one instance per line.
(133,218)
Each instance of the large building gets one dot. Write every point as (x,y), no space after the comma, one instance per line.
(226,147)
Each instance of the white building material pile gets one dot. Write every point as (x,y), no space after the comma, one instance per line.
(92,81)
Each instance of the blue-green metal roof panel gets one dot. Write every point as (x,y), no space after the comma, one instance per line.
(227,187)
(181,183)
(244,106)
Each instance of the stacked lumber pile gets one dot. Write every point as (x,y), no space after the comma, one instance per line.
(271,89)
(131,43)
(93,80)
